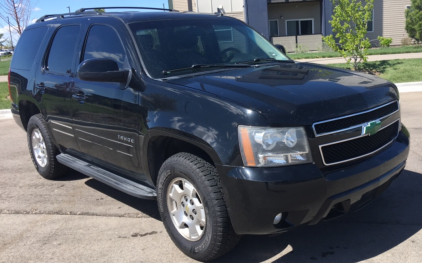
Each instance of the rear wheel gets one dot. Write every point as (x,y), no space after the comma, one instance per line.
(192,207)
(42,150)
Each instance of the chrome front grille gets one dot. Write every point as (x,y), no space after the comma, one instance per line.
(354,120)
(358,135)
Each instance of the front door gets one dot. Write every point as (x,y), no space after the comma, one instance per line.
(105,121)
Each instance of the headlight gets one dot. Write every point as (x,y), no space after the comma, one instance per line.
(261,146)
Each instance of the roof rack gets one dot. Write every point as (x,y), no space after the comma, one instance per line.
(81,11)
(57,16)
(123,7)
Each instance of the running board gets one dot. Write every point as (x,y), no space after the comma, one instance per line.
(110,179)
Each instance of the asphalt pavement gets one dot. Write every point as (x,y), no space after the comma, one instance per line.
(78,219)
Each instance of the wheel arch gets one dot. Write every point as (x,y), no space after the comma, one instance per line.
(27,109)
(160,144)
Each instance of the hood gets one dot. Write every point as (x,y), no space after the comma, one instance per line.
(296,93)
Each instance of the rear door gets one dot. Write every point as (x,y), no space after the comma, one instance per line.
(55,82)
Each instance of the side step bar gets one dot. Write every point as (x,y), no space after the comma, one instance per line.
(111,179)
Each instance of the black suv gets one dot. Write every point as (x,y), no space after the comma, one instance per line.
(203,114)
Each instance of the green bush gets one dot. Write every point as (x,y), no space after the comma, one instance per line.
(414,20)
(385,41)
(349,22)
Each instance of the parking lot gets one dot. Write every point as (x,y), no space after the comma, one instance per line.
(78,219)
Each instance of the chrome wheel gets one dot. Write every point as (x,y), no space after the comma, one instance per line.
(186,209)
(38,147)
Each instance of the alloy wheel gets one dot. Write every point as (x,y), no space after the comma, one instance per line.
(38,147)
(186,209)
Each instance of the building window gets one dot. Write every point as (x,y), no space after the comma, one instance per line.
(224,34)
(274,28)
(299,27)
(370,24)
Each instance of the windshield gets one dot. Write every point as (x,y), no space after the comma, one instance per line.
(167,45)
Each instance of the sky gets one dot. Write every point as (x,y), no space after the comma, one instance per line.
(43,7)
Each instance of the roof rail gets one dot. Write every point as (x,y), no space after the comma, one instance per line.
(82,11)
(57,16)
(122,7)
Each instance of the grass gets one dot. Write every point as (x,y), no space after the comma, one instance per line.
(397,71)
(4,92)
(372,51)
(4,67)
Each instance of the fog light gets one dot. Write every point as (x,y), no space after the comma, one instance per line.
(277,218)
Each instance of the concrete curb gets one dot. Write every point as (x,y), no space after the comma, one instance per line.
(5,114)
(409,87)
(371,58)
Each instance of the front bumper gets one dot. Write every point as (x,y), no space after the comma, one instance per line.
(303,194)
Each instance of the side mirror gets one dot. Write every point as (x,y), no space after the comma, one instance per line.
(281,48)
(102,70)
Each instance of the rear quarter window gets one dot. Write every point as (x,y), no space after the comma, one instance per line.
(27,48)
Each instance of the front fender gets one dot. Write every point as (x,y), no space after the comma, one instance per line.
(196,117)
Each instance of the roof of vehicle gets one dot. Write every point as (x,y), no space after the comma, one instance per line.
(128,16)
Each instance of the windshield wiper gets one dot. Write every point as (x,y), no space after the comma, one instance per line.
(199,66)
(266,60)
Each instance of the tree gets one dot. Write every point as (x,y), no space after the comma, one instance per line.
(414,20)
(350,22)
(2,41)
(19,12)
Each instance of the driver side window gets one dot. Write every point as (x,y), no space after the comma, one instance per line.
(104,42)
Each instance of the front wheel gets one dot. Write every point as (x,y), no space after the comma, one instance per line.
(192,207)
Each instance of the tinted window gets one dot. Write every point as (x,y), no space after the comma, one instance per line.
(299,27)
(103,42)
(306,27)
(370,24)
(223,34)
(27,48)
(62,50)
(166,45)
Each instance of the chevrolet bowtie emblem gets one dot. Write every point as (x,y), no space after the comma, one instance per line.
(372,127)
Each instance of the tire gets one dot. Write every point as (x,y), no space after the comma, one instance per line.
(42,150)
(217,237)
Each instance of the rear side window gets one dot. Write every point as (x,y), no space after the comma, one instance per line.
(27,48)
(103,42)
(62,51)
